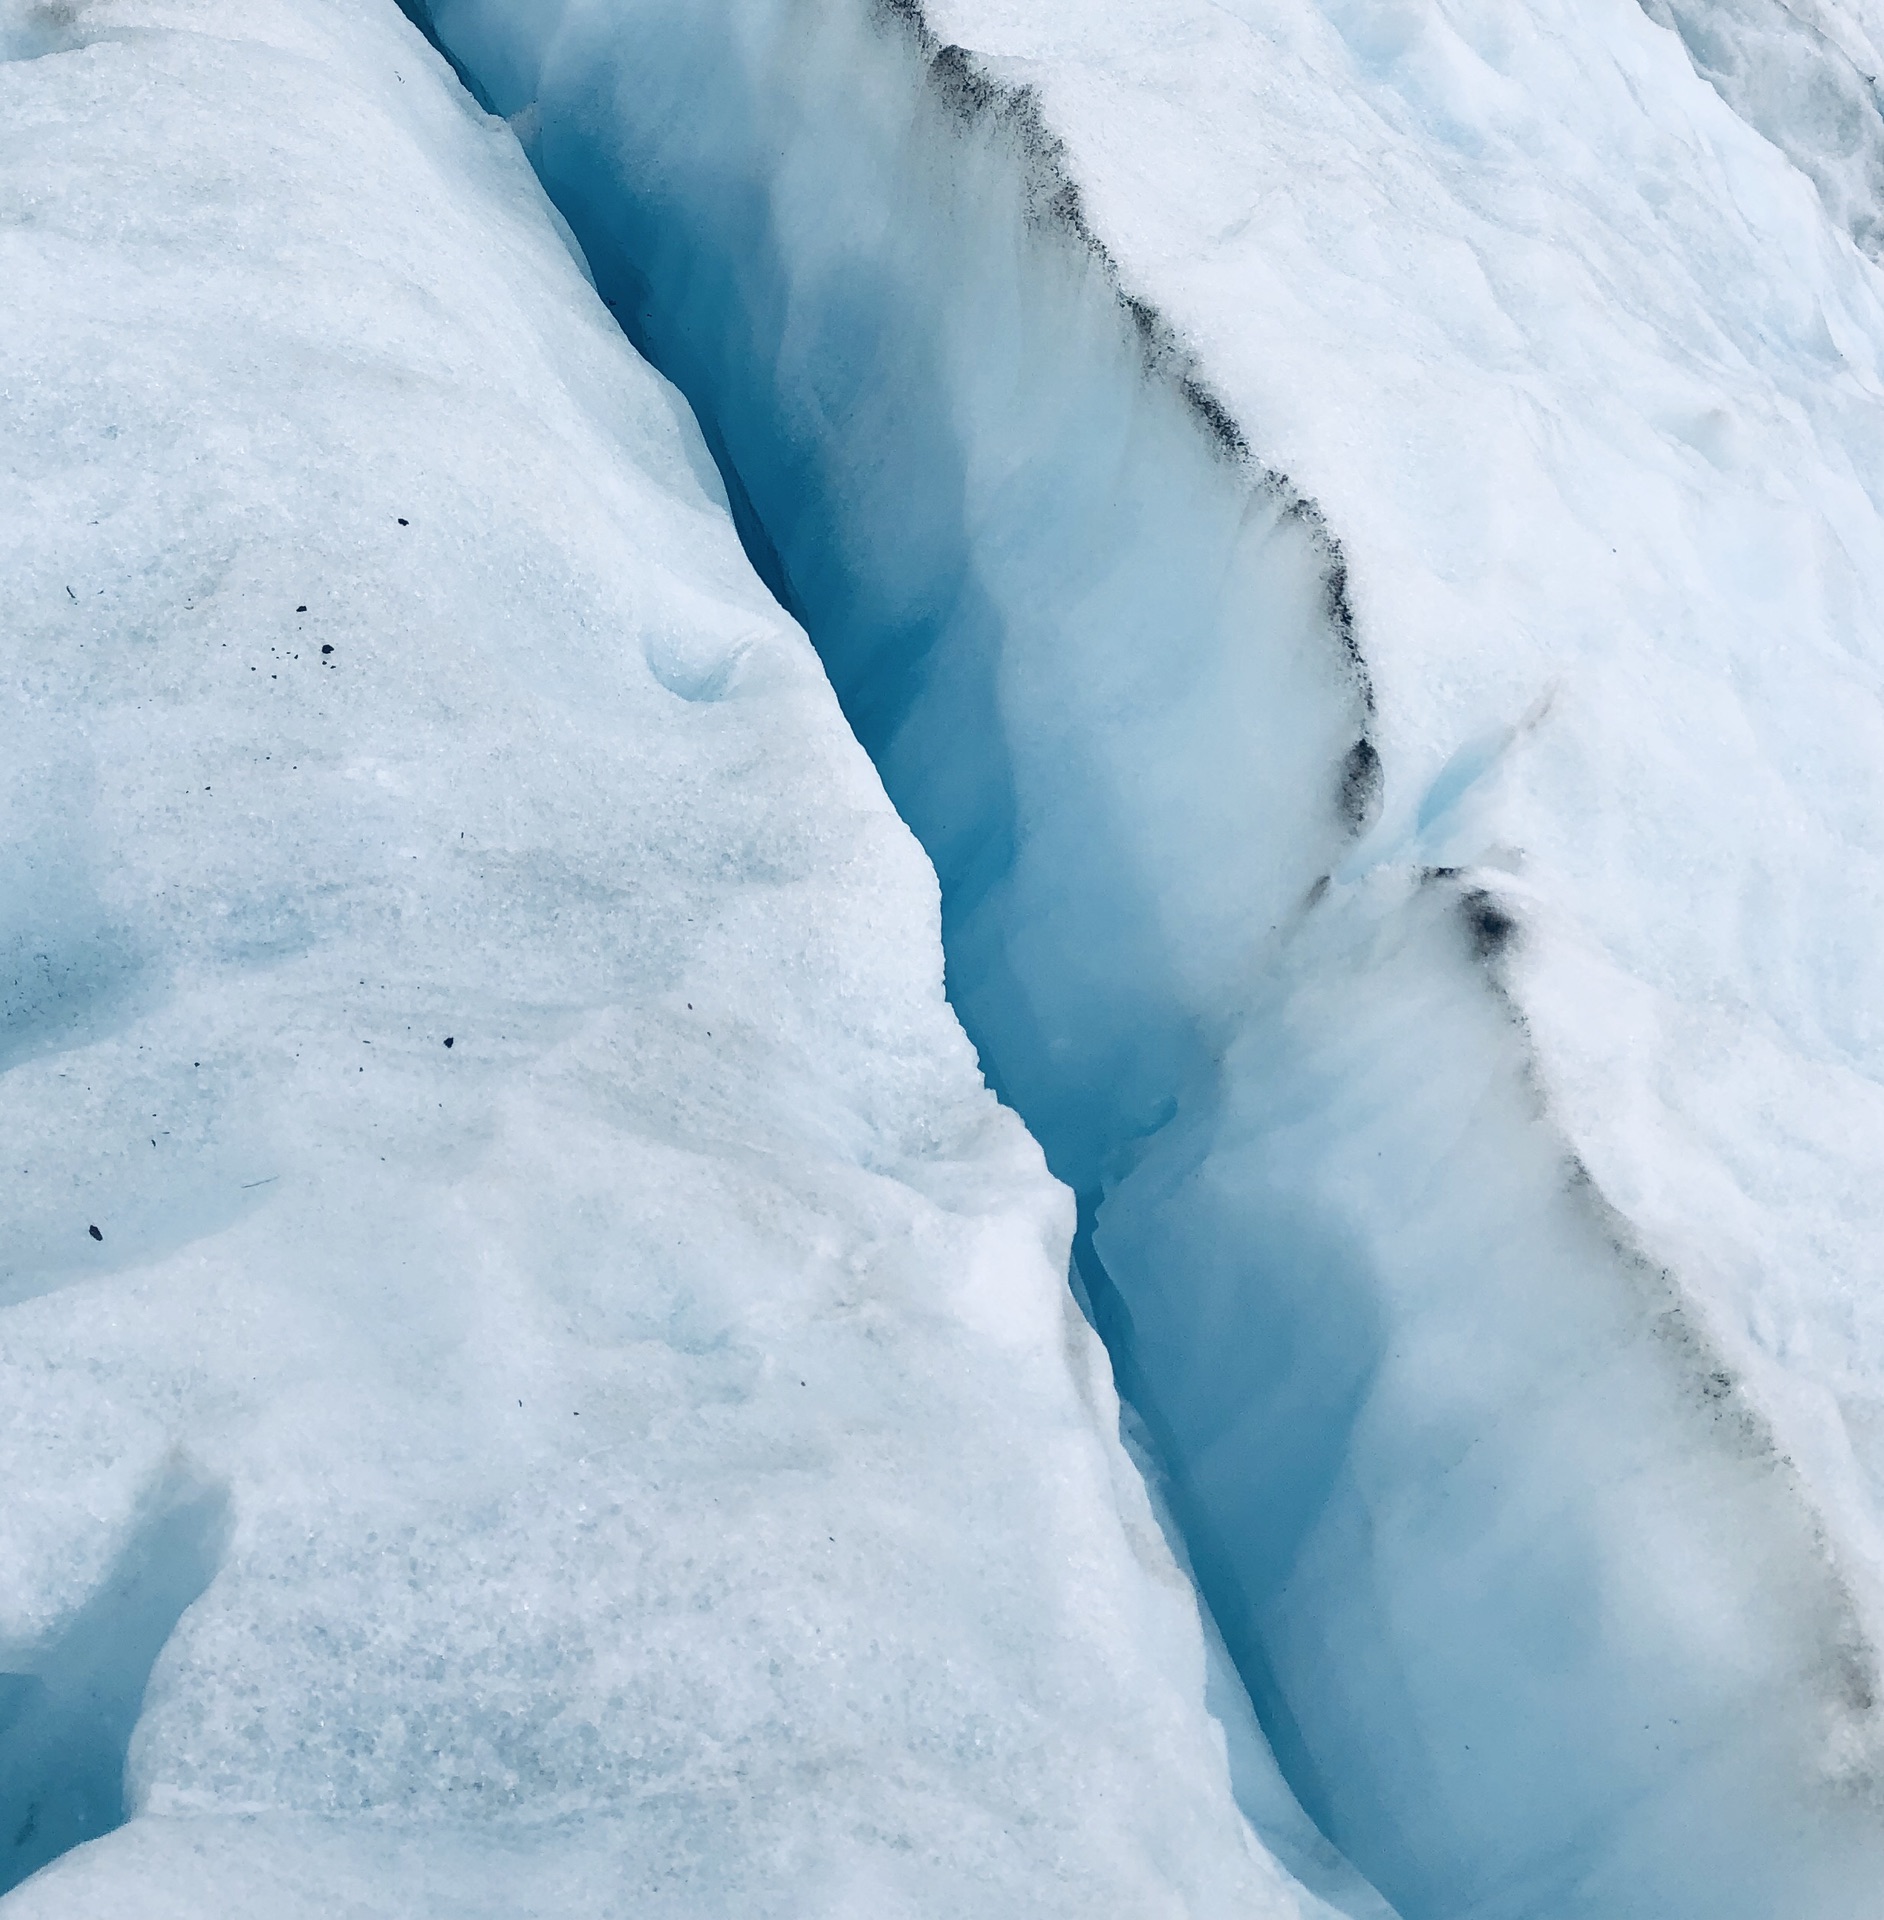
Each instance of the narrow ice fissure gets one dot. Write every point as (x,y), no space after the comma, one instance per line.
(1449,1460)
(1090,431)
(988,488)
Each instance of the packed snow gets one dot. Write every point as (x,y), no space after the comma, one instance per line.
(535,1379)
(1352,533)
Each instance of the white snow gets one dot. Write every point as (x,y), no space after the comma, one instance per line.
(1484,1209)
(573,1384)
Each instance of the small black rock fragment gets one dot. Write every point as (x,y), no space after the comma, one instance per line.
(300,609)
(404,522)
(1493,929)
(1361,782)
(95,1234)
(327,648)
(448,1039)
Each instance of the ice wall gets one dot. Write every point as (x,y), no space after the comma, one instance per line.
(534,1377)
(1538,1614)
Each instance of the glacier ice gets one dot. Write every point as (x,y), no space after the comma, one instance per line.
(534,1376)
(1350,530)
(1463,1049)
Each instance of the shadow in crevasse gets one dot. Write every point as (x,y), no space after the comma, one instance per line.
(68,1706)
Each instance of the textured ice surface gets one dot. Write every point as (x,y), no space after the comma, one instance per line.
(1478,1140)
(1804,73)
(518,1316)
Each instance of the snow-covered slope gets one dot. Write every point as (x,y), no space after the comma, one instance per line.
(1352,531)
(517,1314)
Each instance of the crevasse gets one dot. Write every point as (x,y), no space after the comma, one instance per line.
(1532,1611)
